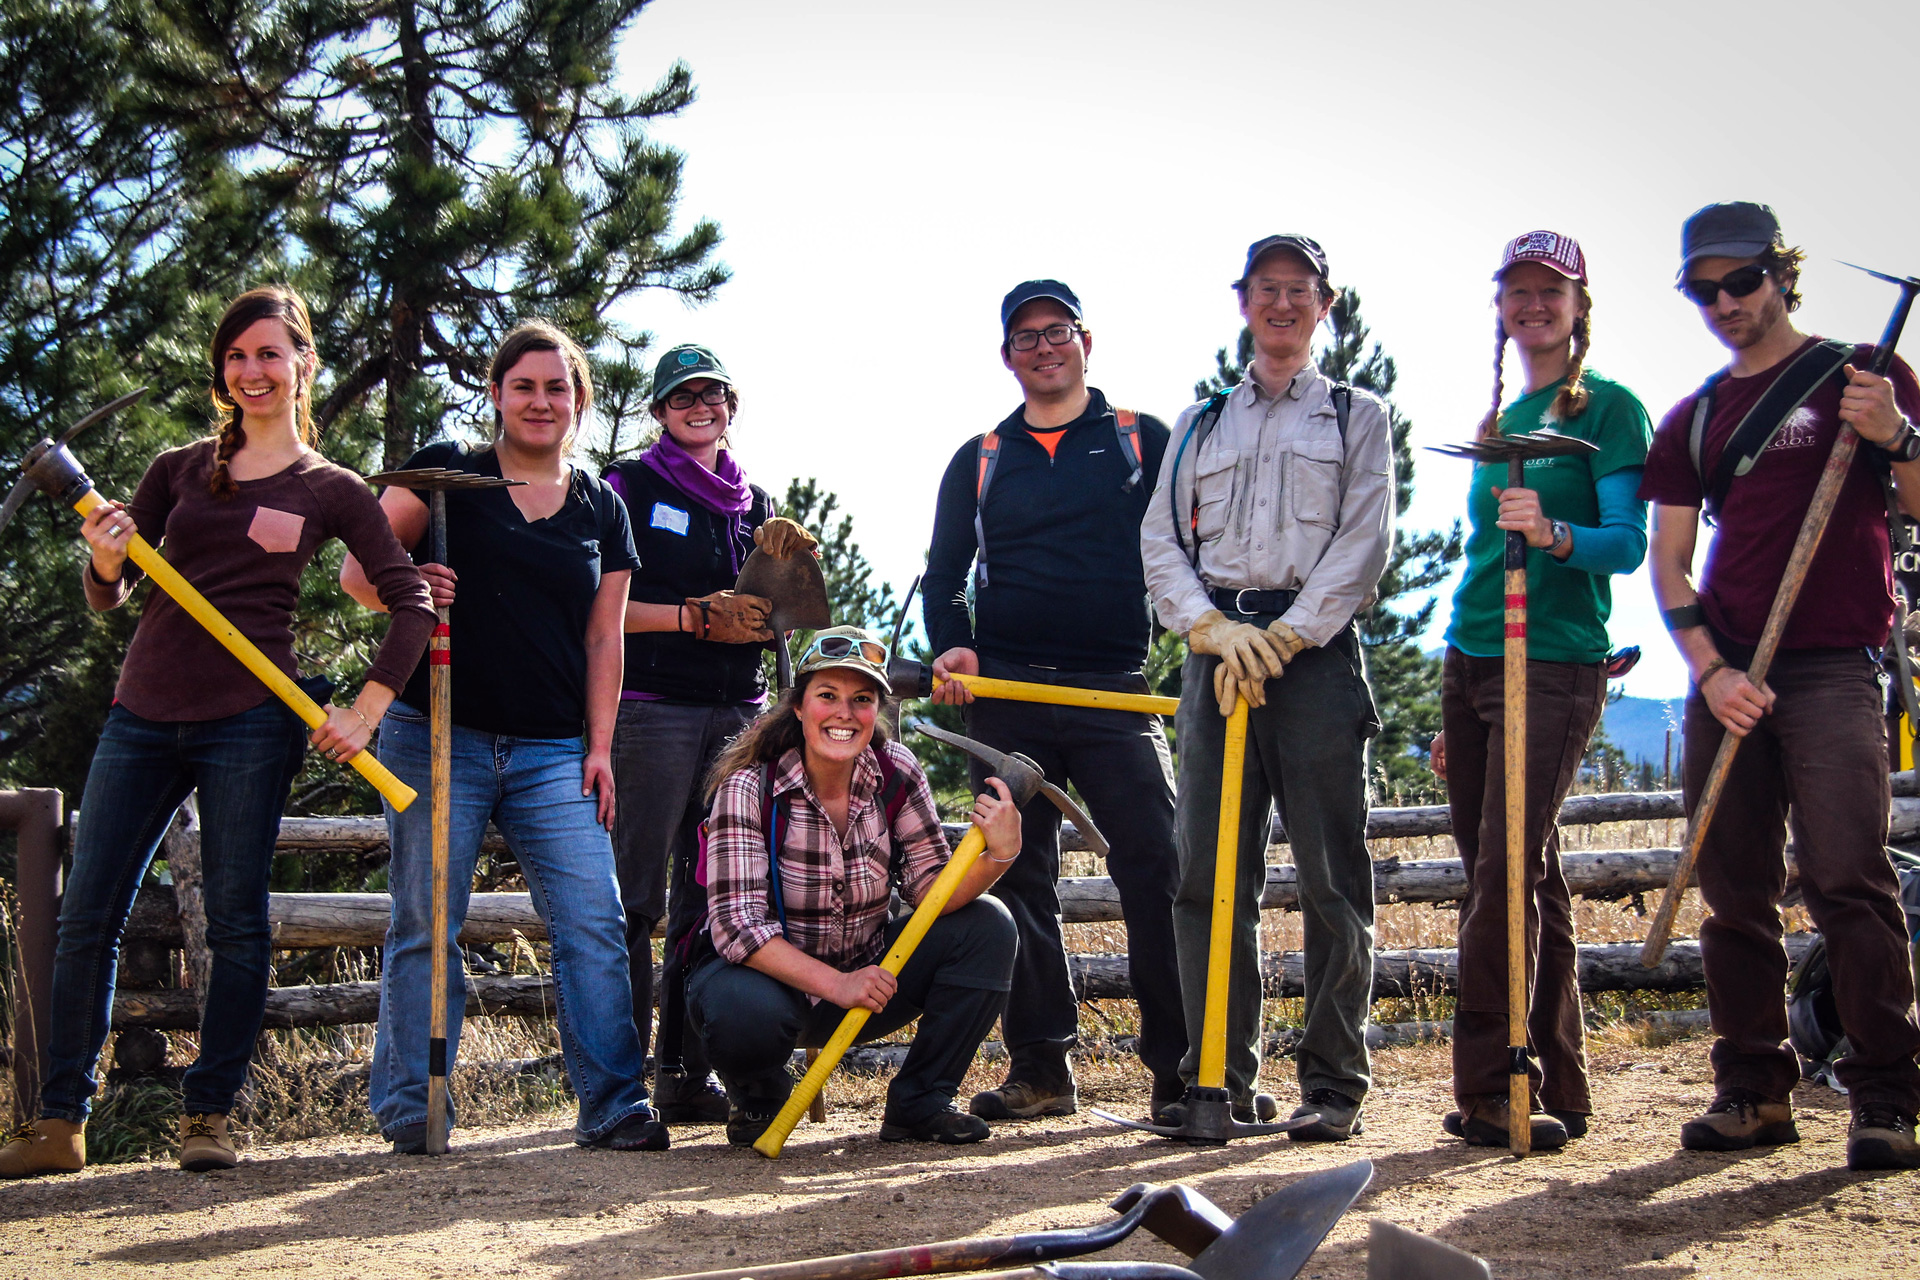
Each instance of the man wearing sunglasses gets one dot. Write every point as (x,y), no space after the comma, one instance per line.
(1046,509)
(1748,448)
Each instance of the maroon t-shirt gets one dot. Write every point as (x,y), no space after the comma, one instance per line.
(1847,600)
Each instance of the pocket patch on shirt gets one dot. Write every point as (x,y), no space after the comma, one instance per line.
(672,519)
(276,531)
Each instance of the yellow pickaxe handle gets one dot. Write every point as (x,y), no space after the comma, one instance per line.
(924,915)
(1226,865)
(1065,695)
(168,579)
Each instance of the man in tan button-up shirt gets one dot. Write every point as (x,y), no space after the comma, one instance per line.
(1266,534)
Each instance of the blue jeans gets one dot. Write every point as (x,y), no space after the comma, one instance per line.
(242,766)
(530,789)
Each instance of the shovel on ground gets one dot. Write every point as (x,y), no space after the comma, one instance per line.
(435,482)
(1516,451)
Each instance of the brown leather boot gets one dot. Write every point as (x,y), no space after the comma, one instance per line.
(44,1146)
(1737,1120)
(204,1144)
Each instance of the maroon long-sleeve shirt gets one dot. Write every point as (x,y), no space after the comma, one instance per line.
(245,553)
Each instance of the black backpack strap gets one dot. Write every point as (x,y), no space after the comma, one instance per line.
(986,458)
(1197,432)
(771,814)
(1763,422)
(1342,397)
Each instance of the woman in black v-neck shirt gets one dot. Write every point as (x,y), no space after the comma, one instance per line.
(537,591)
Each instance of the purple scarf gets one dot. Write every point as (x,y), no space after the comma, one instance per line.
(722,491)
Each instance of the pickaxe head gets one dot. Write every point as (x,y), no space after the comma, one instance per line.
(1023,778)
(429,479)
(1905,282)
(1177,1214)
(1890,336)
(51,467)
(1522,447)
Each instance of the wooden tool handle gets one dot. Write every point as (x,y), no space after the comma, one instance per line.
(1519,1130)
(1660,930)
(929,910)
(201,610)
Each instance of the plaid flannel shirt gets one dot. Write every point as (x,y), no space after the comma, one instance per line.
(836,892)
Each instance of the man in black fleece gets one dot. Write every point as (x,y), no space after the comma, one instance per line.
(1059,598)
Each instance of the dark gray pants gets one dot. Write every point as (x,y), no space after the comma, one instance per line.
(661,754)
(1307,751)
(955,983)
(1119,763)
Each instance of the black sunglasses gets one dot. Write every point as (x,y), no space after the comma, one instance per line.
(1739,283)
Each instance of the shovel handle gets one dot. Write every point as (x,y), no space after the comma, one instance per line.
(924,915)
(168,579)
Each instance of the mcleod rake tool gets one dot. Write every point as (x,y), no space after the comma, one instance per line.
(51,468)
(435,482)
(1516,451)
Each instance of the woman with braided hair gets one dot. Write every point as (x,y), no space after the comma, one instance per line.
(241,514)
(1583,523)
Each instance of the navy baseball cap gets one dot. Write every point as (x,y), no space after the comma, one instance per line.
(1307,248)
(1737,229)
(683,364)
(1030,290)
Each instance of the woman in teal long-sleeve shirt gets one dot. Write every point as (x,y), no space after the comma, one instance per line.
(1582,524)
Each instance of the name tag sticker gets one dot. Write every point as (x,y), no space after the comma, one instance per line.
(672,519)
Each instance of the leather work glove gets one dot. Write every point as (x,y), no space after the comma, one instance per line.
(1227,690)
(1248,654)
(781,537)
(1291,641)
(729,617)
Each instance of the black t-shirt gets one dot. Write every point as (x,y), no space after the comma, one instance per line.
(1064,584)
(518,627)
(686,551)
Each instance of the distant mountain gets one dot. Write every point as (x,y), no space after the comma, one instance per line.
(1638,726)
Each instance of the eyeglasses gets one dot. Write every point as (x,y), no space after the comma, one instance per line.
(1057,335)
(1296,293)
(715,394)
(846,646)
(1739,283)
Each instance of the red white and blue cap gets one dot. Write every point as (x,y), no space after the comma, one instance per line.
(1562,253)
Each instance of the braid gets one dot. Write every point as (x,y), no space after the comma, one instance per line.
(1490,425)
(233,437)
(1573,397)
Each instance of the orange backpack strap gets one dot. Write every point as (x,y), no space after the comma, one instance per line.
(988,456)
(1126,425)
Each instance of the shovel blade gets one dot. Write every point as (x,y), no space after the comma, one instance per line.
(1274,1239)
(795,585)
(1395,1253)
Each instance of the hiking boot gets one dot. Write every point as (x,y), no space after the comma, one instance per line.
(1167,1092)
(1260,1108)
(950,1126)
(1737,1120)
(205,1144)
(681,1099)
(410,1139)
(44,1146)
(641,1131)
(746,1124)
(1575,1121)
(1339,1117)
(1880,1137)
(1024,1100)
(1487,1126)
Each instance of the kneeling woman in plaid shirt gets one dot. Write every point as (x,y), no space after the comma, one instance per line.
(851,815)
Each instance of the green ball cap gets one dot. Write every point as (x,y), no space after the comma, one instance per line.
(683,364)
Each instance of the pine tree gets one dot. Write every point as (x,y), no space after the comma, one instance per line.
(1406,682)
(444,169)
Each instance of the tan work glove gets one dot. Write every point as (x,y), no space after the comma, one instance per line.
(728,617)
(781,537)
(1248,654)
(1291,641)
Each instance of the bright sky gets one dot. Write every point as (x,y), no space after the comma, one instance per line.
(884,172)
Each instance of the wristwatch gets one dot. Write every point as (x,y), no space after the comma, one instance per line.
(1561,533)
(1904,447)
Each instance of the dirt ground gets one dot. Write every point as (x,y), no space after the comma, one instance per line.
(522,1201)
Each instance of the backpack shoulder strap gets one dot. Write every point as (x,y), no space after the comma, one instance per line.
(1342,397)
(1197,432)
(987,457)
(893,797)
(1697,430)
(1763,422)
(1126,425)
(771,815)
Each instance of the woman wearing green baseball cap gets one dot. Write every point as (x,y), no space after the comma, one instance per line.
(693,679)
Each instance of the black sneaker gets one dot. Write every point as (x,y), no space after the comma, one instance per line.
(1167,1092)
(641,1131)
(410,1139)
(746,1124)
(684,1100)
(949,1126)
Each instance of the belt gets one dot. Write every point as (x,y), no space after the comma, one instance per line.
(1252,600)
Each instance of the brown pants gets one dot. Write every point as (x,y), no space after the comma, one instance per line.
(1819,761)
(1564,701)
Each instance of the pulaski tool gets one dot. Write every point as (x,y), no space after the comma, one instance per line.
(1516,451)
(1024,780)
(51,468)
(435,482)
(1825,494)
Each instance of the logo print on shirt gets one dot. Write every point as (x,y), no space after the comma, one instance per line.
(672,519)
(1801,430)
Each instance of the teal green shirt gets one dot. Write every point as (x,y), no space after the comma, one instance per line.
(1567,608)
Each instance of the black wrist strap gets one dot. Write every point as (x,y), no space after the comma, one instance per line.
(1687,615)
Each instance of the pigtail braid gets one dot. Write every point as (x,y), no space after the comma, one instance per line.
(232,438)
(1490,425)
(1573,397)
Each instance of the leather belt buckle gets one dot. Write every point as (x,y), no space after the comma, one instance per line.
(1239,607)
